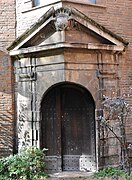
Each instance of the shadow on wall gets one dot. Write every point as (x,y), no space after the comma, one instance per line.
(5,73)
(6,106)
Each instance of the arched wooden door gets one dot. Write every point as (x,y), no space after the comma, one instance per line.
(68,129)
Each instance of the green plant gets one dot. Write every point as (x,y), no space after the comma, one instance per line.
(112,172)
(28,165)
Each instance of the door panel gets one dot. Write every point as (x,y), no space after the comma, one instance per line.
(68,129)
(51,131)
(78,113)
(49,124)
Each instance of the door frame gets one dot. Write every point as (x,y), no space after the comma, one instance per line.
(80,88)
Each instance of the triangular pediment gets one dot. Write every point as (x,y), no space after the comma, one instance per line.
(79,34)
(66,27)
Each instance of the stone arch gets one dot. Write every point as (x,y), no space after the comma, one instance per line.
(68,121)
(81,85)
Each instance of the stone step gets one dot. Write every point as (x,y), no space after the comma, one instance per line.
(71,176)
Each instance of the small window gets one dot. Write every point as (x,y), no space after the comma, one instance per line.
(36,3)
(93,1)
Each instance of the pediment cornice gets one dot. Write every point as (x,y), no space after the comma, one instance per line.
(66,19)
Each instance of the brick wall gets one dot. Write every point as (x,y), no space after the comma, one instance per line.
(7,35)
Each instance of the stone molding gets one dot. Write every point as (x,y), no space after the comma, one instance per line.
(61,19)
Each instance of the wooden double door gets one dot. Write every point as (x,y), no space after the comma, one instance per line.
(68,129)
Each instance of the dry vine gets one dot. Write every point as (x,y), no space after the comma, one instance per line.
(116,108)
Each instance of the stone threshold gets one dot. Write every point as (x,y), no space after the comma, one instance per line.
(71,176)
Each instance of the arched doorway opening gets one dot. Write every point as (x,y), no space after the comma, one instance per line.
(68,129)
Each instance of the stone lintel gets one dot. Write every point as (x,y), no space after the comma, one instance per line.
(36,49)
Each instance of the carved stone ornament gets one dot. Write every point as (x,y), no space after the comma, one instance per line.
(62,16)
(31,76)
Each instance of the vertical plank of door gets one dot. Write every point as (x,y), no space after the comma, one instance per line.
(58,128)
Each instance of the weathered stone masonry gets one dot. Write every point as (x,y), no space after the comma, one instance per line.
(75,42)
(66,46)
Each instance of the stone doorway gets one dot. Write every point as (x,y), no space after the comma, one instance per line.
(68,129)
